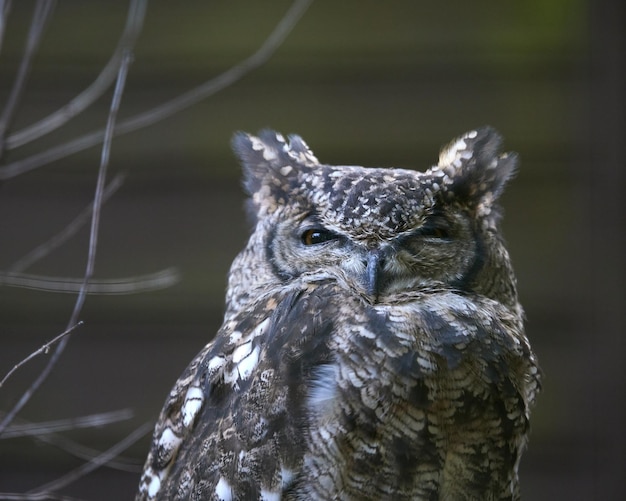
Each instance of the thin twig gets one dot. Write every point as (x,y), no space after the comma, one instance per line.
(44,349)
(40,496)
(100,183)
(269,46)
(114,286)
(48,427)
(64,235)
(121,463)
(96,463)
(43,8)
(93,242)
(82,101)
(176,105)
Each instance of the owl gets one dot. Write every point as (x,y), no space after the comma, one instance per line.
(372,346)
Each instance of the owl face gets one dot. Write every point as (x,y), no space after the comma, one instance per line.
(379,232)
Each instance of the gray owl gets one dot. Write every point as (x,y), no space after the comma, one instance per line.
(372,347)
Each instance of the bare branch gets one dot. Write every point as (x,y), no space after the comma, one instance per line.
(93,241)
(8,418)
(134,23)
(63,236)
(115,286)
(176,105)
(96,463)
(43,8)
(262,55)
(48,427)
(44,349)
(99,196)
(13,496)
(121,463)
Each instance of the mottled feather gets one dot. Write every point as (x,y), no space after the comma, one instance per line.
(372,346)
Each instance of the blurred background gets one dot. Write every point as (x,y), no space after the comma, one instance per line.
(364,82)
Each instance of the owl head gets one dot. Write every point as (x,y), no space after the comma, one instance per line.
(383,234)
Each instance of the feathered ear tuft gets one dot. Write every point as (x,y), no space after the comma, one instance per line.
(260,157)
(475,169)
(271,166)
(270,156)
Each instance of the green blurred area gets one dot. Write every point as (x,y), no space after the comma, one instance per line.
(364,82)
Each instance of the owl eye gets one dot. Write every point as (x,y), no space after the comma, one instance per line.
(435,232)
(316,236)
(435,227)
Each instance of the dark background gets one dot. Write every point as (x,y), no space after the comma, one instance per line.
(364,82)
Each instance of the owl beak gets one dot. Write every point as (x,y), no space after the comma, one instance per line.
(373,273)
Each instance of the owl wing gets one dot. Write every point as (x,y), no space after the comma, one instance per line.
(231,427)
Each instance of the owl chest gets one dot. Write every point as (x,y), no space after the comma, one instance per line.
(385,368)
(397,409)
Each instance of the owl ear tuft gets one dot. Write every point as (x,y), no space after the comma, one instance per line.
(260,157)
(478,172)
(271,168)
(269,160)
